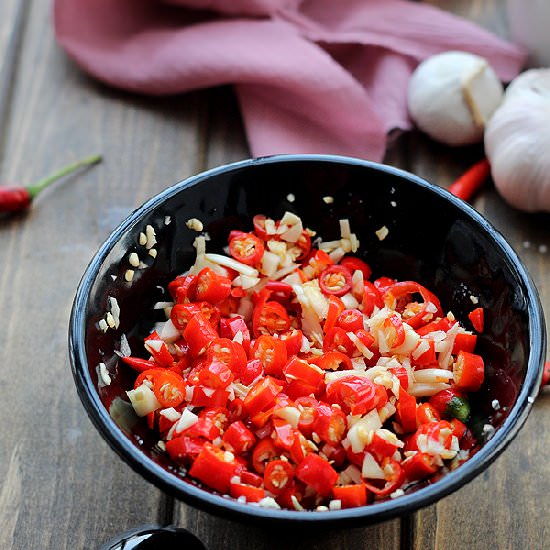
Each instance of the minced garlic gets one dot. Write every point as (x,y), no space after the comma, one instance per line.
(194,224)
(382,233)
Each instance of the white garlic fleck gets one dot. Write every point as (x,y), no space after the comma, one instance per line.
(517,141)
(133,259)
(452,95)
(382,233)
(150,235)
(194,224)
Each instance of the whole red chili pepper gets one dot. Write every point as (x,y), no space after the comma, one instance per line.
(16,199)
(471,181)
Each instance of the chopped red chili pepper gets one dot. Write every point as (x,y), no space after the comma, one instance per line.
(335,280)
(246,247)
(316,472)
(320,387)
(468,371)
(356,264)
(350,496)
(477,317)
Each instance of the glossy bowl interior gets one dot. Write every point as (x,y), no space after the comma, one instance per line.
(433,238)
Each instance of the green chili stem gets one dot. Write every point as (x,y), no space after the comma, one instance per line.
(43,183)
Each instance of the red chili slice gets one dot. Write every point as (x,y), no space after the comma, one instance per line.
(149,376)
(427,413)
(262,395)
(419,466)
(169,389)
(383,283)
(464,341)
(304,244)
(293,341)
(401,295)
(334,360)
(228,352)
(271,352)
(215,375)
(316,472)
(298,369)
(337,339)
(252,494)
(350,320)
(238,438)
(182,313)
(278,475)
(350,496)
(335,307)
(356,264)
(329,424)
(468,371)
(315,263)
(229,328)
(246,248)
(270,318)
(213,469)
(139,364)
(184,449)
(371,298)
(355,394)
(263,453)
(395,476)
(198,334)
(308,411)
(477,318)
(211,287)
(381,447)
(395,332)
(335,280)
(406,411)
(158,349)
(179,287)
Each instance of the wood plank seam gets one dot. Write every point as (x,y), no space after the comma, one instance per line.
(8,73)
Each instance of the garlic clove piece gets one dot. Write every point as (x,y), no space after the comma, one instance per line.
(452,95)
(517,141)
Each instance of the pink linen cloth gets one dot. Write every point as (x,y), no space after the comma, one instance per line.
(311,76)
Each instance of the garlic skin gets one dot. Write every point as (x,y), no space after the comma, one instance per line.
(452,95)
(517,141)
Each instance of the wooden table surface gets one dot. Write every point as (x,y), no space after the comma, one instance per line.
(61,485)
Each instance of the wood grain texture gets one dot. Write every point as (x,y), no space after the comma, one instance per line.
(503,507)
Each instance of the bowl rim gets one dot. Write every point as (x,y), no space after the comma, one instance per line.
(217,504)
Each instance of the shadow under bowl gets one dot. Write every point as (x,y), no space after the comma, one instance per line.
(433,238)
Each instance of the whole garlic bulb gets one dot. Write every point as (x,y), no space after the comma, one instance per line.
(517,142)
(452,95)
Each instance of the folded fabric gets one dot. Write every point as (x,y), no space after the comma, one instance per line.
(312,76)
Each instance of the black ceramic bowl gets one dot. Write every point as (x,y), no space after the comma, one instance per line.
(433,238)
